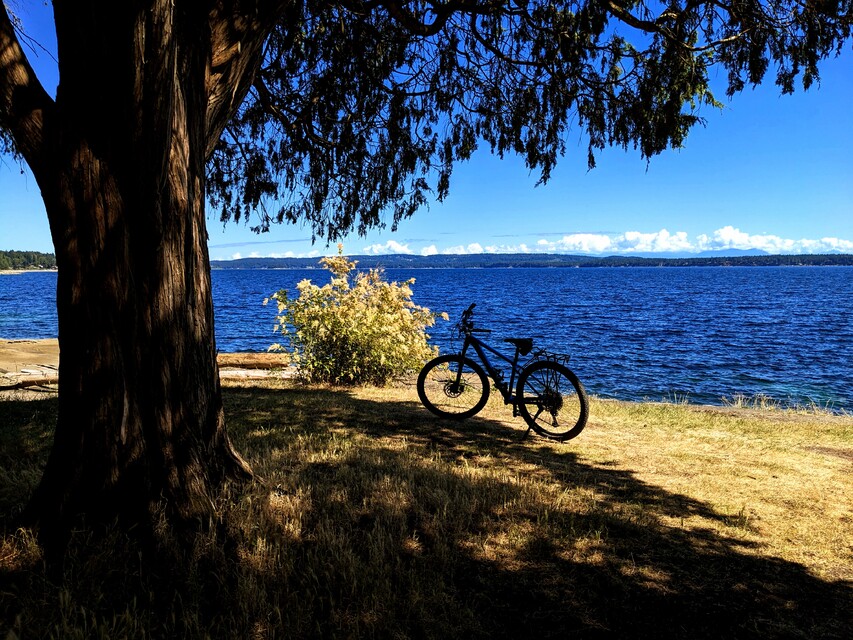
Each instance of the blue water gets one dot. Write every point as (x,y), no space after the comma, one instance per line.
(633,333)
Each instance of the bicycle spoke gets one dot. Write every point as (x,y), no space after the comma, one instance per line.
(559,399)
(453,387)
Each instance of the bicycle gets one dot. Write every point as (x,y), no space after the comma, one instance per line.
(548,395)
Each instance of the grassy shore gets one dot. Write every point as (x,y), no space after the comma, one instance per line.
(376,519)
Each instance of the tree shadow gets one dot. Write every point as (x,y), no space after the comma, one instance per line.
(378,519)
(26,433)
(608,562)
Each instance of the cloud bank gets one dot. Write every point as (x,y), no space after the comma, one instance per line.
(727,238)
(628,243)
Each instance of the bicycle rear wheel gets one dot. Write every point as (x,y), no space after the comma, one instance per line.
(453,387)
(552,400)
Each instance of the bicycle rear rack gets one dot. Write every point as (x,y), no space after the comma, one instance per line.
(550,356)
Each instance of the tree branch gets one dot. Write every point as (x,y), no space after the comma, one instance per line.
(658,26)
(442,12)
(25,106)
(236,50)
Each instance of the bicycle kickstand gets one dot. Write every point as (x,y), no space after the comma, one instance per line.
(515,415)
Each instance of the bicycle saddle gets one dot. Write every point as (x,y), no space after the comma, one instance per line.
(524,345)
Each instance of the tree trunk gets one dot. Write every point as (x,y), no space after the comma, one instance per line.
(140,408)
(140,424)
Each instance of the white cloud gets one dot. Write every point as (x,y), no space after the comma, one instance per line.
(663,242)
(632,242)
(659,242)
(507,248)
(472,248)
(729,237)
(837,244)
(577,243)
(392,246)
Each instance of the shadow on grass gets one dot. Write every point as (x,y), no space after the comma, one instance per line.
(379,520)
(594,558)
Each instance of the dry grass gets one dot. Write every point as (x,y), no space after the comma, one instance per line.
(377,519)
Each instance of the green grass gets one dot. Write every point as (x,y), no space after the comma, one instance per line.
(376,519)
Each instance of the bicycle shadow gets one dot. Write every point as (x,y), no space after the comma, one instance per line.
(605,564)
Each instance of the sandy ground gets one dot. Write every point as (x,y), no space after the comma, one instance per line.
(28,362)
(25,363)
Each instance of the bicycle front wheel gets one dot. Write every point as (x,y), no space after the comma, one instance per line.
(552,400)
(452,386)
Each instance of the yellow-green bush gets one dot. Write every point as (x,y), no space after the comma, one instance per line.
(356,329)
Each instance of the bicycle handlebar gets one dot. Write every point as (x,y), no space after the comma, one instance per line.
(466,324)
(466,315)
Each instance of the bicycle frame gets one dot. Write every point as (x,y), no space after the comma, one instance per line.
(552,402)
(495,374)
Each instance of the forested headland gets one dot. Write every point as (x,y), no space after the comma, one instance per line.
(14,260)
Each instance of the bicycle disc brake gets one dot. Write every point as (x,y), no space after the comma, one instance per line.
(453,389)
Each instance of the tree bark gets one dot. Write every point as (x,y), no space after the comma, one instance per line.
(145,91)
(140,409)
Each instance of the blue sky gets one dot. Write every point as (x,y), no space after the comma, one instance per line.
(767,172)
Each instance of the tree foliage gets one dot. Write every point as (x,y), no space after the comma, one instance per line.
(27,260)
(361,108)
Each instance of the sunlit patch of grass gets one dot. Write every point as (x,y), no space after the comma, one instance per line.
(763,402)
(677,397)
(375,518)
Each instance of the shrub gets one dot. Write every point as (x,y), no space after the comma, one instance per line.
(357,329)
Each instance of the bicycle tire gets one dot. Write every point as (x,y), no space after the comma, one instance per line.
(437,391)
(558,397)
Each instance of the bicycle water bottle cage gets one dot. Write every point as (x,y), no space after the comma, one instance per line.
(524,345)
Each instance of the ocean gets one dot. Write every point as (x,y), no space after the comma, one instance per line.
(685,334)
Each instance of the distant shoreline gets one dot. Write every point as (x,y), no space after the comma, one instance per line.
(519,261)
(413,268)
(17,272)
(539,260)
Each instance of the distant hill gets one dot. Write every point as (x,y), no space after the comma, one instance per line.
(728,253)
(37,260)
(26,260)
(717,253)
(539,260)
